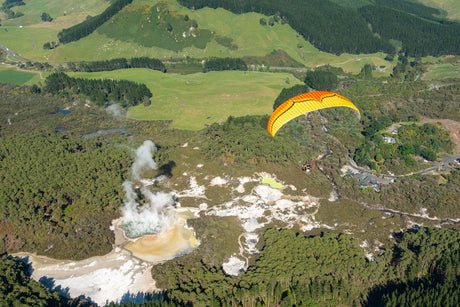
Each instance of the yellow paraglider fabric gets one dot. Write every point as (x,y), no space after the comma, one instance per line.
(305,103)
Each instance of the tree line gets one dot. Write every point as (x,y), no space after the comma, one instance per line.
(119,63)
(88,26)
(17,288)
(218,64)
(328,269)
(336,28)
(101,91)
(410,7)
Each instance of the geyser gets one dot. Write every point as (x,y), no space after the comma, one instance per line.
(153,215)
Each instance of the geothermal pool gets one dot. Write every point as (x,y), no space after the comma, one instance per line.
(122,275)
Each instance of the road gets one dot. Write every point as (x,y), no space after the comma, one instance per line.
(289,68)
(12,54)
(448,162)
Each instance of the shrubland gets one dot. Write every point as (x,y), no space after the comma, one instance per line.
(68,201)
(60,191)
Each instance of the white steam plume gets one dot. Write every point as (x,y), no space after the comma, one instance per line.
(143,159)
(152,216)
(116,110)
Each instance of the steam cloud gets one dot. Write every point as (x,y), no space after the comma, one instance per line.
(152,216)
(116,110)
(143,159)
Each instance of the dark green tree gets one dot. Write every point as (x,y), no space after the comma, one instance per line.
(46,17)
(321,80)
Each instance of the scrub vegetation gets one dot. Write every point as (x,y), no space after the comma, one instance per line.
(66,150)
(68,210)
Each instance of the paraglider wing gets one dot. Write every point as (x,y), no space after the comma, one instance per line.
(305,103)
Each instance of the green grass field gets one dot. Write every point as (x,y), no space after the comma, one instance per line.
(244,31)
(147,25)
(442,71)
(14,76)
(28,42)
(451,7)
(68,12)
(193,101)
(247,36)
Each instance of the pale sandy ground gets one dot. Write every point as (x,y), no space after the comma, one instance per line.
(101,279)
(125,273)
(122,275)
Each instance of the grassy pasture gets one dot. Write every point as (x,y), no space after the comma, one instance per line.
(441,71)
(147,25)
(28,42)
(451,7)
(67,10)
(247,37)
(439,68)
(14,76)
(193,101)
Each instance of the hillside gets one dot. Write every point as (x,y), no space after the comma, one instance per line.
(137,169)
(338,31)
(235,41)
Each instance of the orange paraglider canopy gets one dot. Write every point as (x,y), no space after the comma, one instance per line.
(305,103)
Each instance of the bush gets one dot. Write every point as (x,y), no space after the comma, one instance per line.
(322,80)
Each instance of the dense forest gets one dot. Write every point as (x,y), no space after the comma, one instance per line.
(419,37)
(328,270)
(18,289)
(61,191)
(224,142)
(88,26)
(336,28)
(101,91)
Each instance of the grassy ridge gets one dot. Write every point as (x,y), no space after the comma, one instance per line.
(244,31)
(57,9)
(154,25)
(193,101)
